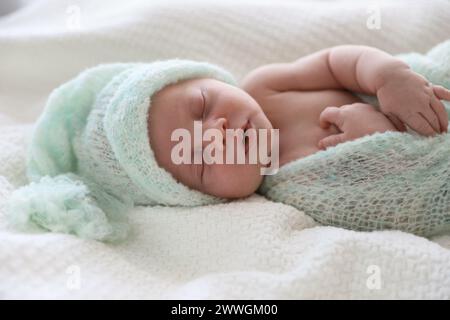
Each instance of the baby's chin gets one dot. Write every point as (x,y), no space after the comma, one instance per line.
(235,185)
(235,193)
(250,188)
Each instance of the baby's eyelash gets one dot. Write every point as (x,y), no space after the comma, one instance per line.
(204,104)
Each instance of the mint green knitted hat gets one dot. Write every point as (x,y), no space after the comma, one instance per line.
(90,157)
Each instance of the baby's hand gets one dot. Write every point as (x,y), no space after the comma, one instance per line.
(408,98)
(354,121)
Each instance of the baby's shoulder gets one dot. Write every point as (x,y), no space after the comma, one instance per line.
(252,85)
(257,82)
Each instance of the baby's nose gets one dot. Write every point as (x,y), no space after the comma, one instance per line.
(220,124)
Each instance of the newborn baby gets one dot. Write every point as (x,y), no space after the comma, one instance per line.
(104,142)
(310,101)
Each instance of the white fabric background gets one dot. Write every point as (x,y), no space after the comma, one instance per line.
(247,249)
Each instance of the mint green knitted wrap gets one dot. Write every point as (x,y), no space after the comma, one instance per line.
(390,180)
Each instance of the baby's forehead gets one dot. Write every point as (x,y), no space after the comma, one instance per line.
(201,82)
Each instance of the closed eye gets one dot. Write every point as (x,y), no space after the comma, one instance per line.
(203,104)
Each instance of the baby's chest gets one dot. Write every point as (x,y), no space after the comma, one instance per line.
(297,114)
(303,106)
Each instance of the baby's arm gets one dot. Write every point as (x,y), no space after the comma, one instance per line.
(350,67)
(353,121)
(405,97)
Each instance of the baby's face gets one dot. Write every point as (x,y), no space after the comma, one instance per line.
(217,105)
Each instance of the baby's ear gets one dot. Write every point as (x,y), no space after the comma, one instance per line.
(62,204)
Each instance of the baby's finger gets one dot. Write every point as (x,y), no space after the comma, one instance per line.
(331,141)
(432,118)
(419,123)
(441,92)
(330,115)
(399,125)
(439,109)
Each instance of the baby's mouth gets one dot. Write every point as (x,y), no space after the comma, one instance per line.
(246,143)
(245,138)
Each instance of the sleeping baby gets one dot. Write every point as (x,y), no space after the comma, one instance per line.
(107,139)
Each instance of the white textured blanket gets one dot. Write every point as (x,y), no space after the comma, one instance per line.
(247,249)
